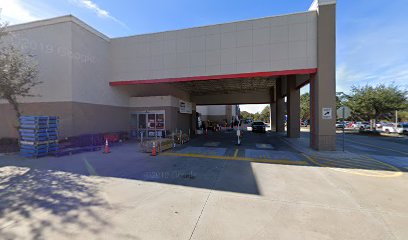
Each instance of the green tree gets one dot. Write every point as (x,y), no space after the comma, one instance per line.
(372,102)
(246,115)
(18,72)
(341,99)
(403,116)
(265,114)
(305,106)
(257,116)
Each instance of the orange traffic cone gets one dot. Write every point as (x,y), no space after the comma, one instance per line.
(154,149)
(107,148)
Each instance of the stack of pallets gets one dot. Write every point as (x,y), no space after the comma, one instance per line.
(161,144)
(38,135)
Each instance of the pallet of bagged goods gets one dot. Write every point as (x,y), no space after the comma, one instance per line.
(161,144)
(181,138)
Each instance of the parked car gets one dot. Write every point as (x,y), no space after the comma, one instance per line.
(400,128)
(380,124)
(340,125)
(361,125)
(349,124)
(258,126)
(365,126)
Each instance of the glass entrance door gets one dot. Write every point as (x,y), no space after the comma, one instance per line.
(150,124)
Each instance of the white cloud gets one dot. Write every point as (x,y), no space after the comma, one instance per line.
(19,11)
(102,13)
(347,77)
(14,11)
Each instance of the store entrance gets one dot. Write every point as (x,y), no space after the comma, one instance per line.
(148,124)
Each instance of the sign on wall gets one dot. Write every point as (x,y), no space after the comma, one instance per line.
(185,107)
(343,112)
(327,113)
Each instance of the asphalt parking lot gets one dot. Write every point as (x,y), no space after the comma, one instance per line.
(269,187)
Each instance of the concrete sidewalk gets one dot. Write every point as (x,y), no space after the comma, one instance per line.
(130,195)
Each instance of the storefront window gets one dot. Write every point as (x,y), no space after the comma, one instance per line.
(151,121)
(150,124)
(142,121)
(159,121)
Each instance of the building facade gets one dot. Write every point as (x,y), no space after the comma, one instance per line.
(153,82)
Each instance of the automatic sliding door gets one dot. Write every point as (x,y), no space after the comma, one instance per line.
(142,124)
(151,125)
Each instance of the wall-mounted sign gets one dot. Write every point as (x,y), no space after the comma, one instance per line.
(343,112)
(327,113)
(185,107)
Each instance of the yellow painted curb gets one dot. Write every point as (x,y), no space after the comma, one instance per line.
(263,160)
(361,172)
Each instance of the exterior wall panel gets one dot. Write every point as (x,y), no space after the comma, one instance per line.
(90,79)
(52,50)
(268,44)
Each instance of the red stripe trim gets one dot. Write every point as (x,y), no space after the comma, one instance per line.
(215,77)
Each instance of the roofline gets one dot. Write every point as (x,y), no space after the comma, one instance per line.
(57,20)
(211,25)
(72,18)
(316,3)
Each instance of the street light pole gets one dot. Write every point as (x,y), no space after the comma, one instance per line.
(343,111)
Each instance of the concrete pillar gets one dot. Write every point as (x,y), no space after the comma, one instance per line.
(323,84)
(293,107)
(280,107)
(272,106)
(272,116)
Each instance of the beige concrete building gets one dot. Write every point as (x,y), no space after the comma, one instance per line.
(153,82)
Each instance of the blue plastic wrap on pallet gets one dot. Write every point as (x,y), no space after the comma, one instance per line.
(42,130)
(25,117)
(37,143)
(39,146)
(38,135)
(47,148)
(38,139)
(38,126)
(26,134)
(40,122)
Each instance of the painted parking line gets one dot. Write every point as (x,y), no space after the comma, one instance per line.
(360,162)
(211,144)
(271,154)
(374,146)
(395,172)
(264,146)
(203,150)
(262,160)
(89,168)
(378,168)
(396,161)
(236,152)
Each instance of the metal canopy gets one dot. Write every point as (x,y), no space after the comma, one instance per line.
(226,86)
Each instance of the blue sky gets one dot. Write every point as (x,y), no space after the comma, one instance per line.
(372,35)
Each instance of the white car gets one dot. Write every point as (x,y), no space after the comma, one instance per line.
(361,125)
(400,128)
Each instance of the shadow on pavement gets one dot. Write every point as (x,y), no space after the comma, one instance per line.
(39,202)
